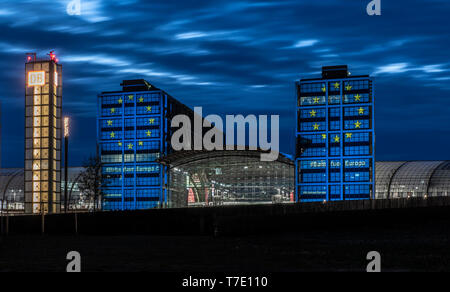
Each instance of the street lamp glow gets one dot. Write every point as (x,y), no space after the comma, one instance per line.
(66,126)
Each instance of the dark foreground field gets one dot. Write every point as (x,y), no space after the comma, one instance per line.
(250,239)
(401,250)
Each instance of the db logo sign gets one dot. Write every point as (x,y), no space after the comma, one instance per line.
(36,78)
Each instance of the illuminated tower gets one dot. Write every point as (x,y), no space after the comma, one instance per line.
(335,126)
(43,101)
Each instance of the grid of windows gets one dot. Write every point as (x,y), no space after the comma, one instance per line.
(312,87)
(129,139)
(313,193)
(313,126)
(357,98)
(111,100)
(335,192)
(312,100)
(313,171)
(317,146)
(312,113)
(112,199)
(357,192)
(357,170)
(343,147)
(356,111)
(356,124)
(334,125)
(356,85)
(334,99)
(335,112)
(148,110)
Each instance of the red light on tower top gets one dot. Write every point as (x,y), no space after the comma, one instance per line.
(31,57)
(53,56)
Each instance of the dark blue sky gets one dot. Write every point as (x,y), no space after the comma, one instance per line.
(236,57)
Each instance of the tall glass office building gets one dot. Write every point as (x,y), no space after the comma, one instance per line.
(133,132)
(335,126)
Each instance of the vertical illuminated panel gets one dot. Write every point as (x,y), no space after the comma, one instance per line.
(43,100)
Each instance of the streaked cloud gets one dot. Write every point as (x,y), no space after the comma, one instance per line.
(405,67)
(233,56)
(305,43)
(190,35)
(96,59)
(392,68)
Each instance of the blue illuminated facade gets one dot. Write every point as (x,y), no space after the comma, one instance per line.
(335,137)
(133,131)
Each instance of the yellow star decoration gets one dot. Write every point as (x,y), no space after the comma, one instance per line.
(110,123)
(324,89)
(336,139)
(361,111)
(112,135)
(316,100)
(358,97)
(324,136)
(313,113)
(120,101)
(149,108)
(149,133)
(141,99)
(336,85)
(141,143)
(348,87)
(316,127)
(348,135)
(130,146)
(113,110)
(120,144)
(130,97)
(151,121)
(357,125)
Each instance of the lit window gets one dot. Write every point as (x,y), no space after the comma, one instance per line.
(45,99)
(37,99)
(44,186)
(37,110)
(36,154)
(37,165)
(36,197)
(36,175)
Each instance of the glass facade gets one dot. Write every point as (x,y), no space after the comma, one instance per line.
(233,178)
(201,179)
(43,101)
(335,129)
(12,187)
(133,133)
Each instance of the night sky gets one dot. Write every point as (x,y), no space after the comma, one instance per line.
(235,57)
